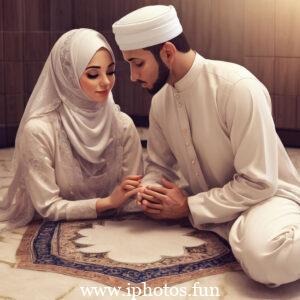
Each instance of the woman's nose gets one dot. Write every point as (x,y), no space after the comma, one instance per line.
(104,81)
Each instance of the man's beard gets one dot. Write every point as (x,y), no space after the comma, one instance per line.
(163,74)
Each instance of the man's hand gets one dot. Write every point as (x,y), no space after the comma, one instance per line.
(166,202)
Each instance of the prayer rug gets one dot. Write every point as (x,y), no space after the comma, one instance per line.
(122,251)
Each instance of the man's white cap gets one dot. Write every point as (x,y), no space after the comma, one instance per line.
(147,26)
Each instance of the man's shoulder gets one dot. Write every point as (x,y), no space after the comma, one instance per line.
(227,72)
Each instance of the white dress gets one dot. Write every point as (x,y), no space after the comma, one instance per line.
(70,150)
(61,184)
(58,184)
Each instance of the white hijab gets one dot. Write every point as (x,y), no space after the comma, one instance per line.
(88,124)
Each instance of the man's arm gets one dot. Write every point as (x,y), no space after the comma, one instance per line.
(253,138)
(160,161)
(254,144)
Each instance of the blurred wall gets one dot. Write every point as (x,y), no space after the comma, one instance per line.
(262,35)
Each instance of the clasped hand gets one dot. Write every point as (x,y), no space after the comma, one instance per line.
(130,186)
(126,189)
(166,202)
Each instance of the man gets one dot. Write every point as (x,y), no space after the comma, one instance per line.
(213,119)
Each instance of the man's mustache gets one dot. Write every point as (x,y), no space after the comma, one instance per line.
(140,81)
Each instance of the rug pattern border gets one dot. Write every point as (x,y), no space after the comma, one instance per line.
(27,259)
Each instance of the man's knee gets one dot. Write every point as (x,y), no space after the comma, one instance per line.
(269,259)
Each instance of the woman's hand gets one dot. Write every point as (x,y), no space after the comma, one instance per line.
(122,192)
(127,188)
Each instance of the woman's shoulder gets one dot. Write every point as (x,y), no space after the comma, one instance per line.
(41,125)
(125,120)
(129,131)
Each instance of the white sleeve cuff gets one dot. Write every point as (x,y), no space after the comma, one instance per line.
(82,209)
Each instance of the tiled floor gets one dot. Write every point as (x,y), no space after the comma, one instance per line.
(26,284)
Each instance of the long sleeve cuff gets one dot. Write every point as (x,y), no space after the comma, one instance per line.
(82,209)
(203,210)
(195,204)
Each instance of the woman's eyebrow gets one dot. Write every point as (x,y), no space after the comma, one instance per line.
(93,67)
(98,67)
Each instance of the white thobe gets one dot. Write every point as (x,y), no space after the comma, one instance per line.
(216,124)
(57,183)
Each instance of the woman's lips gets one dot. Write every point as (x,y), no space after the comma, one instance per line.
(103,92)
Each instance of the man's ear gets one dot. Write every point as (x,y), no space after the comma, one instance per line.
(167,53)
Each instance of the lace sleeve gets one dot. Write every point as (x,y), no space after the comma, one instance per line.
(37,144)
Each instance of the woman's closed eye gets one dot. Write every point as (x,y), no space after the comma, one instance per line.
(92,76)
(110,73)
(95,75)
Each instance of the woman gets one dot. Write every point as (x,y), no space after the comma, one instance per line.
(75,151)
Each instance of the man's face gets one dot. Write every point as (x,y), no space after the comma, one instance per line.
(146,70)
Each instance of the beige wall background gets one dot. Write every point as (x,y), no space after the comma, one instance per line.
(262,35)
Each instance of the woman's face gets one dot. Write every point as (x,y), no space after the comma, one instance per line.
(98,78)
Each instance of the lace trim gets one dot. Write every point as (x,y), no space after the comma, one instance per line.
(66,60)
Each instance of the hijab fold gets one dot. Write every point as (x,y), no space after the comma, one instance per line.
(87,123)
